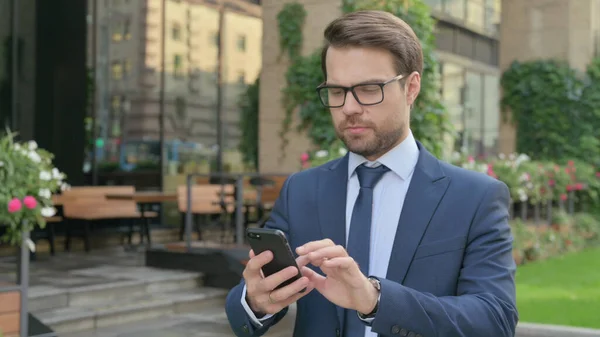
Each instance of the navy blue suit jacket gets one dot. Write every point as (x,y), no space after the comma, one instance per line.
(451,272)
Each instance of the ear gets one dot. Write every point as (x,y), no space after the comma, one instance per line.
(413,87)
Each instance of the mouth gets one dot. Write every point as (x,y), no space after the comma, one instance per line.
(355,130)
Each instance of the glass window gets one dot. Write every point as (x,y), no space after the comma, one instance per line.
(241,43)
(117,70)
(453,82)
(177,65)
(176,31)
(491,113)
(473,112)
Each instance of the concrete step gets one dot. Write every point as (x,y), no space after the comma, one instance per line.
(209,322)
(99,315)
(134,283)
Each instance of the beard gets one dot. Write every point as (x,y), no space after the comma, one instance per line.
(372,142)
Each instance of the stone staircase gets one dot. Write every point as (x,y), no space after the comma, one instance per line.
(125,295)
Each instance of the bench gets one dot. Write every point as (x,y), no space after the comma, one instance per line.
(208,200)
(87,204)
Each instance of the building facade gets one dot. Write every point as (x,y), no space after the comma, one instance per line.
(467,40)
(210,52)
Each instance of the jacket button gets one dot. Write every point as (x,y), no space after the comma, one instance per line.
(403,332)
(419,335)
(411,334)
(395,329)
(337,332)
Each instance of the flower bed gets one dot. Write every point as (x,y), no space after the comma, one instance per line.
(562,197)
(27,181)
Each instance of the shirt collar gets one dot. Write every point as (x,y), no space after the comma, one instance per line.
(401,159)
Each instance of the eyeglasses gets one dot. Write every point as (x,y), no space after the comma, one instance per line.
(334,96)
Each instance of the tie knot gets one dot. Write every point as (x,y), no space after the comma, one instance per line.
(369,176)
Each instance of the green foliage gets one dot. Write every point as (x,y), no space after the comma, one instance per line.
(27,181)
(249,106)
(430,121)
(555,109)
(291,20)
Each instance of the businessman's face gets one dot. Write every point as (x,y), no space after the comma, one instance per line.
(382,120)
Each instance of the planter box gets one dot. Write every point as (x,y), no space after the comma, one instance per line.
(10,304)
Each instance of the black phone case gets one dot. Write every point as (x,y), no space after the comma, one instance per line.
(263,239)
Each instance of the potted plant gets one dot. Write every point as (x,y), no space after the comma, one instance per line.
(28,179)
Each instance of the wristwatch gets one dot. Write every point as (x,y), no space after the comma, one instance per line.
(375,282)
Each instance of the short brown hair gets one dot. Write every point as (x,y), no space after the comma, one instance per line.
(376,29)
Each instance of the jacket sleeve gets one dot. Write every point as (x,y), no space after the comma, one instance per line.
(241,323)
(485,304)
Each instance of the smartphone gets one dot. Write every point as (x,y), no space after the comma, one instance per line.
(263,239)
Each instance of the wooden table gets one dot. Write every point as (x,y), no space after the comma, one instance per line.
(145,197)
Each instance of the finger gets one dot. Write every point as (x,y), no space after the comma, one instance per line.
(330,252)
(254,265)
(314,245)
(343,264)
(251,254)
(271,282)
(277,306)
(289,290)
(315,278)
(302,260)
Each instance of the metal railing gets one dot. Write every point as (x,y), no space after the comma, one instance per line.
(239,200)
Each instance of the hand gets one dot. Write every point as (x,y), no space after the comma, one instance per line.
(343,284)
(260,292)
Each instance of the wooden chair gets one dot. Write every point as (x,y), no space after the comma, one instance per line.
(88,204)
(207,200)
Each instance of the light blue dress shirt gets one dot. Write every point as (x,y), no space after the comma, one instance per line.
(388,198)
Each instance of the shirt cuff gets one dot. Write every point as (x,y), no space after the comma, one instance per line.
(255,320)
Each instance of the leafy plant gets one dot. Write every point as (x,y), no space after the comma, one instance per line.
(555,109)
(249,106)
(27,181)
(430,120)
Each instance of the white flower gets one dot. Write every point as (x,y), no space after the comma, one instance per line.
(455,155)
(17,146)
(45,175)
(48,212)
(56,174)
(483,167)
(502,156)
(343,151)
(522,195)
(512,156)
(45,193)
(521,158)
(530,185)
(1,163)
(65,187)
(321,154)
(32,145)
(35,157)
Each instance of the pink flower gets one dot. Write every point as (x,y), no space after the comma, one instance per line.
(597,174)
(14,205)
(551,182)
(30,202)
(304,157)
(471,159)
(578,186)
(563,197)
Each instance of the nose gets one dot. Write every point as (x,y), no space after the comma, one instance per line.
(351,106)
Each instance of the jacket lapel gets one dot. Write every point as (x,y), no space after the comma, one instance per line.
(427,187)
(332,188)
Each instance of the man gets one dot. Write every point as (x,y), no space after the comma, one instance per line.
(390,240)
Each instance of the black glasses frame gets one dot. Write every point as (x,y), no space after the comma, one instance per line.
(351,89)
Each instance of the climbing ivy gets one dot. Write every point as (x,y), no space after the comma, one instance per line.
(291,20)
(430,121)
(249,109)
(555,109)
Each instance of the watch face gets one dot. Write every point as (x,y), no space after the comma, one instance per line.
(375,283)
